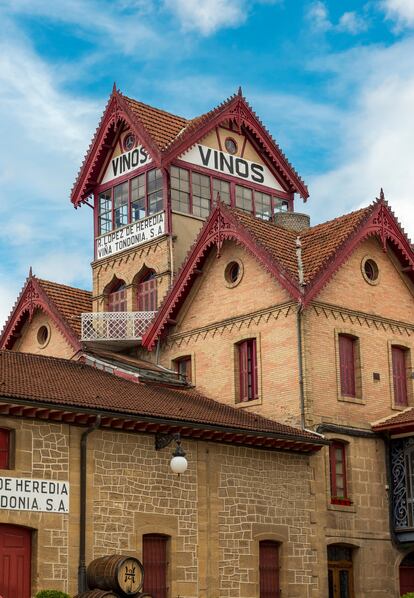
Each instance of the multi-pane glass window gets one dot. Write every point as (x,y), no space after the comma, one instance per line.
(180,189)
(263,205)
(155,191)
(244,198)
(223,188)
(121,204)
(105,212)
(138,198)
(337,458)
(201,194)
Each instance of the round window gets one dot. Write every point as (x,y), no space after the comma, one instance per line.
(230,145)
(233,273)
(129,142)
(370,270)
(43,335)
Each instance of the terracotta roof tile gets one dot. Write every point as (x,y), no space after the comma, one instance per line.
(61,382)
(319,243)
(69,301)
(161,125)
(403,419)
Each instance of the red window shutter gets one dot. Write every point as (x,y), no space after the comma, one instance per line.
(117,300)
(269,569)
(399,376)
(4,449)
(154,557)
(347,365)
(147,295)
(248,386)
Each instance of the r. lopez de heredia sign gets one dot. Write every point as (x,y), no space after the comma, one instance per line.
(27,494)
(131,235)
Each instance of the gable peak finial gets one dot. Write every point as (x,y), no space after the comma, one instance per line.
(30,272)
(382,196)
(114,89)
(240,92)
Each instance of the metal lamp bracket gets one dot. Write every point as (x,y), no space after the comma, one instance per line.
(164,440)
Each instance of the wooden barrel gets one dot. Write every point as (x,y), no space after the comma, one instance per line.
(122,574)
(97,594)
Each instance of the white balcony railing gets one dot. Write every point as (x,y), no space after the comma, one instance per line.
(115,325)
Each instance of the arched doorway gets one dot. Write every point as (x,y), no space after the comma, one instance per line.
(15,561)
(407,574)
(340,571)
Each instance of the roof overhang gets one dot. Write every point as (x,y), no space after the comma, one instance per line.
(47,411)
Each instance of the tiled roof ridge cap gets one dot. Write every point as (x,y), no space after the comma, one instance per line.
(368,209)
(60,284)
(155,108)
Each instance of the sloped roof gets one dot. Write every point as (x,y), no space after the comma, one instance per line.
(166,136)
(71,302)
(395,422)
(162,126)
(321,250)
(65,383)
(63,303)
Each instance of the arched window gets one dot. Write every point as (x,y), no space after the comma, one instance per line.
(154,559)
(117,296)
(147,292)
(340,575)
(269,569)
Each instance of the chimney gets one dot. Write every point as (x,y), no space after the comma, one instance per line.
(292,220)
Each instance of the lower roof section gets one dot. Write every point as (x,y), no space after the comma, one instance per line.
(72,392)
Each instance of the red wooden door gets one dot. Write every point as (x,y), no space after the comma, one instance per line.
(399,375)
(15,561)
(406,579)
(269,569)
(154,559)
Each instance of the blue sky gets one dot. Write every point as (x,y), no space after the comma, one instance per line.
(333,81)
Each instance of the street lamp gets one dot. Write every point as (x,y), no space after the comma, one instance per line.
(178,463)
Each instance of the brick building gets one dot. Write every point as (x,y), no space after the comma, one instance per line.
(208,283)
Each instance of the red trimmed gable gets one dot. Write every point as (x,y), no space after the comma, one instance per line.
(63,304)
(166,136)
(324,249)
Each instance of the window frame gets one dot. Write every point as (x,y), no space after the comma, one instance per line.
(333,474)
(8,434)
(188,361)
(276,196)
(243,348)
(358,367)
(408,387)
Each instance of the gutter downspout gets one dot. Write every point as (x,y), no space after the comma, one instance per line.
(299,334)
(82,507)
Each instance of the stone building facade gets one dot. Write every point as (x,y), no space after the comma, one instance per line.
(205,277)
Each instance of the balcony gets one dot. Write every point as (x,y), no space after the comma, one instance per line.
(115,329)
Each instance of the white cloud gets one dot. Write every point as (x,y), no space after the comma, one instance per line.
(207,16)
(374,142)
(351,22)
(318,17)
(320,22)
(400,11)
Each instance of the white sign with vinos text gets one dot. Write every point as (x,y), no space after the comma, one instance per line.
(26,494)
(131,235)
(125,163)
(236,166)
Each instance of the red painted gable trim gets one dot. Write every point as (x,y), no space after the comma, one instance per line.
(33,297)
(117,113)
(237,109)
(220,226)
(380,222)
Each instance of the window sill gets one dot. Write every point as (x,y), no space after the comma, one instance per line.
(400,407)
(356,400)
(190,215)
(346,506)
(248,403)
